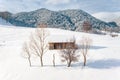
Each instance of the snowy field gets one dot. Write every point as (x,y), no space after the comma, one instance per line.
(103,61)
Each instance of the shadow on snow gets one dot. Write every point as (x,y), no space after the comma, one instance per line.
(104,64)
(97,47)
(93,47)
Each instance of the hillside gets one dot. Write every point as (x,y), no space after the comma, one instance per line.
(103,58)
(117,20)
(4,22)
(71,19)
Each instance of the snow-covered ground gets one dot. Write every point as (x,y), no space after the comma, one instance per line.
(103,58)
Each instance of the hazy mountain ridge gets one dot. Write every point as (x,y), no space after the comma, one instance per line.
(108,16)
(71,19)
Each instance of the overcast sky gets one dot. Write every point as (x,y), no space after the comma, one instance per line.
(90,6)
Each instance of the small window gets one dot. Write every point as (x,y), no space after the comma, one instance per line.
(55,46)
(58,46)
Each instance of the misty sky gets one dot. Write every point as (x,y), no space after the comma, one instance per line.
(90,6)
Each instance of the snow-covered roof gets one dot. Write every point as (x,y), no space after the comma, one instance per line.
(60,38)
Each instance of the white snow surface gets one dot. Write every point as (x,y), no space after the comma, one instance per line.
(103,61)
(4,22)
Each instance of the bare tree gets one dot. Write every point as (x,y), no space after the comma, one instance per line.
(87,26)
(26,50)
(39,44)
(85,44)
(70,54)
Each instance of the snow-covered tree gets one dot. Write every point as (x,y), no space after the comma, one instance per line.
(27,52)
(70,54)
(39,45)
(85,44)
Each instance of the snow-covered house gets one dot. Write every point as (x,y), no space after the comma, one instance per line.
(60,42)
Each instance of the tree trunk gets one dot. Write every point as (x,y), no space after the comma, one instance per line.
(53,60)
(69,64)
(84,60)
(41,61)
(69,61)
(29,61)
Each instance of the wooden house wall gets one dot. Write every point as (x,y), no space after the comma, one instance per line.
(61,45)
